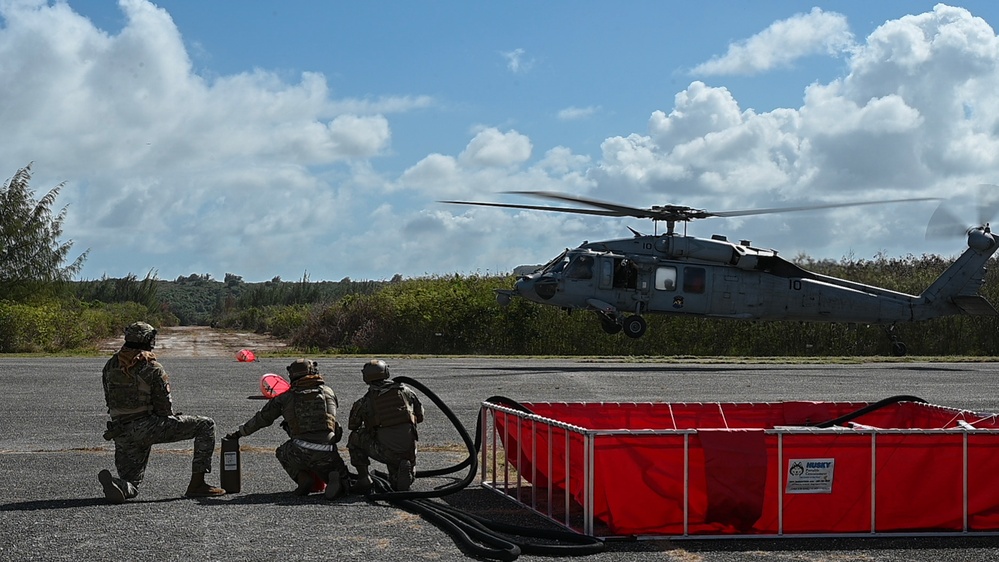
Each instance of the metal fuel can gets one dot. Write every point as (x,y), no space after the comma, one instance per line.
(230,473)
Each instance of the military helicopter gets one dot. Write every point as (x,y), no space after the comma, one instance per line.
(672,273)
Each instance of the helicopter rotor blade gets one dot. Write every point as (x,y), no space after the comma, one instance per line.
(775,210)
(988,203)
(618,210)
(945,224)
(538,208)
(668,213)
(689,212)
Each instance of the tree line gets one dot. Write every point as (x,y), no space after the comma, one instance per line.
(458,314)
(43,310)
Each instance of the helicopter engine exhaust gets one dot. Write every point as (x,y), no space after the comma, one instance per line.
(981,239)
(717,249)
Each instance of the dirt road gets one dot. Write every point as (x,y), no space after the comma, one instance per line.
(203,341)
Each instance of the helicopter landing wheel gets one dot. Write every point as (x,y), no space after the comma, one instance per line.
(898,348)
(635,326)
(610,326)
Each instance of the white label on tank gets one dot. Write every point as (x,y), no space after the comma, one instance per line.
(810,476)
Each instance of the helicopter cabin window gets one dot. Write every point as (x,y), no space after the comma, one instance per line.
(606,273)
(694,279)
(580,268)
(666,278)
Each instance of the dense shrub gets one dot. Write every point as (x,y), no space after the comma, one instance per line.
(279,321)
(354,324)
(60,325)
(458,314)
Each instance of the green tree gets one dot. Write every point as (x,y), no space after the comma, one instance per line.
(31,254)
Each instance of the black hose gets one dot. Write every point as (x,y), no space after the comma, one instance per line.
(472,461)
(476,446)
(868,409)
(478,536)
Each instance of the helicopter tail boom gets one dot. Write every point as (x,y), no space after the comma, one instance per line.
(956,290)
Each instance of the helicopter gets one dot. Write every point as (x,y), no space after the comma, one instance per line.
(622,280)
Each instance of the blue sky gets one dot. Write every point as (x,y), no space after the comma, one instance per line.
(280,139)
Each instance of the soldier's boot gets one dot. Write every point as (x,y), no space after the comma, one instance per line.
(304,480)
(318,484)
(130,490)
(113,491)
(198,488)
(334,488)
(363,483)
(404,476)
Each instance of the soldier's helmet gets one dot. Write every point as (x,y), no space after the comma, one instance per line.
(301,367)
(140,332)
(375,370)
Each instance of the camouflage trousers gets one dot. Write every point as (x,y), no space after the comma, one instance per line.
(295,459)
(135,441)
(389,445)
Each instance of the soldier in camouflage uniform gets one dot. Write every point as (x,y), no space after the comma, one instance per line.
(309,409)
(137,393)
(383,427)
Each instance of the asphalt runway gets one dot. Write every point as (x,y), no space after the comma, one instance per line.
(52,415)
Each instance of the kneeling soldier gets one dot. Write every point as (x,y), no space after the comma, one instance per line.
(383,427)
(137,393)
(309,409)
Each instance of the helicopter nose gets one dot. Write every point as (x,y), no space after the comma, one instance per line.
(533,288)
(522,286)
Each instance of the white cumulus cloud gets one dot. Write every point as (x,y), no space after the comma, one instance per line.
(577,113)
(782,43)
(493,148)
(210,171)
(262,174)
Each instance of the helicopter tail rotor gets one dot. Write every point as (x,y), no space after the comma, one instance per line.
(945,222)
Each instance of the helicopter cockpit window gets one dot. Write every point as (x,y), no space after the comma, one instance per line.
(557,264)
(580,268)
(694,280)
(666,278)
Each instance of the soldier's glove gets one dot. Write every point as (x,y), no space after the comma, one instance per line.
(114,430)
(233,435)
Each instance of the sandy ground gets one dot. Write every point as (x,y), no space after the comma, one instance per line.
(203,341)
